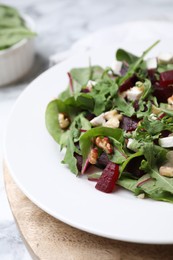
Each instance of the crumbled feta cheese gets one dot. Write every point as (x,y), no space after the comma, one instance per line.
(151,63)
(134,93)
(98,120)
(109,114)
(153,117)
(108,119)
(165,57)
(130,141)
(116,66)
(90,84)
(166,141)
(112,122)
(132,144)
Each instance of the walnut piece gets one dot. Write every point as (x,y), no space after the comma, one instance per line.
(104,144)
(93,155)
(166,171)
(64,121)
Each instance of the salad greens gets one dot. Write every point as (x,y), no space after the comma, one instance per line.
(120,121)
(12,27)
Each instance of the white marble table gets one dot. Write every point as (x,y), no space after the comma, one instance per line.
(59,24)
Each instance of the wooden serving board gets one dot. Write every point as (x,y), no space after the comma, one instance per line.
(48,238)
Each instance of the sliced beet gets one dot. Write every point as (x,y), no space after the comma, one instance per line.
(152,75)
(129,83)
(162,93)
(85,90)
(103,160)
(166,78)
(129,123)
(136,105)
(134,165)
(165,133)
(89,116)
(107,180)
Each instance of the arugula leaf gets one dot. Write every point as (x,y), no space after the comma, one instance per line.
(154,189)
(153,127)
(165,183)
(135,65)
(119,155)
(145,109)
(80,78)
(85,101)
(103,93)
(121,105)
(125,163)
(161,187)
(52,124)
(154,154)
(69,158)
(147,89)
(81,75)
(96,73)
(123,55)
(80,122)
(127,183)
(75,104)
(164,67)
(164,107)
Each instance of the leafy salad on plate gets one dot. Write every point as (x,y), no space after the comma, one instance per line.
(118,121)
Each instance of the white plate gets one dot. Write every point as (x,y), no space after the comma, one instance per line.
(34,159)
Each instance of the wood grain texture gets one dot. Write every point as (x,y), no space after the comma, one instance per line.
(48,238)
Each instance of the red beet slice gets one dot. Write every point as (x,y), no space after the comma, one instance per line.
(162,93)
(152,75)
(129,83)
(166,78)
(129,123)
(103,160)
(133,167)
(107,180)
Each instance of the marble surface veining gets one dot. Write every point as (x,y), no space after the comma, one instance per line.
(59,24)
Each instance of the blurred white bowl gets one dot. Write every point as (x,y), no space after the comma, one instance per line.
(16,61)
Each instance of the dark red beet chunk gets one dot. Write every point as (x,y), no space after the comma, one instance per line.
(85,90)
(107,180)
(89,116)
(162,93)
(129,123)
(151,75)
(165,133)
(129,83)
(133,167)
(166,78)
(136,105)
(103,160)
